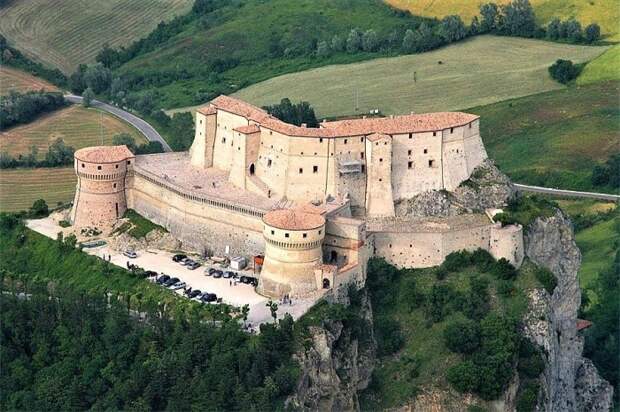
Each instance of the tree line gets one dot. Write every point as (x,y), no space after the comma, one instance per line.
(10,56)
(20,108)
(58,154)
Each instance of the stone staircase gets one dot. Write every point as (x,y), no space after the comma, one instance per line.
(255,184)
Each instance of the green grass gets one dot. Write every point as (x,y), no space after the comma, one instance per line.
(604,12)
(19,81)
(66,33)
(479,71)
(19,188)
(603,68)
(140,225)
(555,138)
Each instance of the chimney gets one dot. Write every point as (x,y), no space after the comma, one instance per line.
(391,116)
(364,116)
(304,125)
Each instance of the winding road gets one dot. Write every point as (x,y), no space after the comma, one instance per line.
(146,129)
(570,193)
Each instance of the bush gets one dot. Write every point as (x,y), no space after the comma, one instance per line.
(546,278)
(462,336)
(464,376)
(18,108)
(528,398)
(39,209)
(592,33)
(456,261)
(389,336)
(563,71)
(503,269)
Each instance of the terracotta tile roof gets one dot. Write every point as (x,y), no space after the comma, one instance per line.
(583,324)
(103,154)
(377,136)
(207,110)
(413,123)
(249,129)
(293,219)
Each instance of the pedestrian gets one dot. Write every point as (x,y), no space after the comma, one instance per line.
(229,283)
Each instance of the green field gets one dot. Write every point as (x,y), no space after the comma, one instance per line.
(605,13)
(76,126)
(478,71)
(603,68)
(66,33)
(554,139)
(19,81)
(19,188)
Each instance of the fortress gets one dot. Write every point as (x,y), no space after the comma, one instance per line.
(316,202)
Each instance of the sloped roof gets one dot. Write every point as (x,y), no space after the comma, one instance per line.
(293,219)
(104,154)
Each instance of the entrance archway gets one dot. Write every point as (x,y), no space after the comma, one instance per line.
(333,256)
(252,169)
(326,283)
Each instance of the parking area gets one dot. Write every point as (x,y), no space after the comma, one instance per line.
(231,292)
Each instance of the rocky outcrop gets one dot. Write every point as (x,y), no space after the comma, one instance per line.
(570,382)
(155,239)
(335,366)
(487,188)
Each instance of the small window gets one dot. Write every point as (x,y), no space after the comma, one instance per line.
(116,166)
(410,165)
(98,167)
(409,152)
(452,130)
(83,165)
(270,132)
(425,151)
(320,140)
(345,141)
(434,133)
(269,162)
(411,135)
(223,140)
(128,162)
(200,121)
(362,139)
(319,232)
(363,168)
(381,180)
(470,125)
(315,169)
(305,235)
(273,232)
(361,155)
(431,163)
(381,159)
(286,235)
(301,170)
(114,185)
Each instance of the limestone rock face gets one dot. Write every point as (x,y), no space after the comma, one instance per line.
(486,188)
(334,367)
(570,382)
(155,239)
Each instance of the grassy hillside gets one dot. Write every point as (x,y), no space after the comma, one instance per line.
(555,138)
(478,71)
(605,67)
(19,188)
(19,81)
(77,126)
(69,32)
(606,13)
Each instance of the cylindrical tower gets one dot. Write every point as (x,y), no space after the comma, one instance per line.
(100,192)
(293,240)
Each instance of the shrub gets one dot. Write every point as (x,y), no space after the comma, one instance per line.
(563,71)
(592,33)
(389,336)
(64,223)
(456,261)
(39,209)
(546,278)
(18,108)
(464,376)
(462,336)
(528,398)
(502,269)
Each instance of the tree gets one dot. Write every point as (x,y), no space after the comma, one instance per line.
(39,208)
(354,41)
(462,336)
(452,29)
(245,311)
(370,41)
(337,43)
(592,33)
(563,71)
(423,38)
(59,154)
(273,308)
(474,26)
(554,29)
(125,139)
(490,15)
(297,114)
(571,30)
(409,43)
(519,19)
(87,97)
(464,376)
(322,49)
(98,77)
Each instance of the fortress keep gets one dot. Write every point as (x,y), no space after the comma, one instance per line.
(317,202)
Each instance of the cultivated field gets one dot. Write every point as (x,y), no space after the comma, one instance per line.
(478,71)
(19,81)
(606,13)
(604,67)
(19,188)
(77,126)
(554,139)
(69,32)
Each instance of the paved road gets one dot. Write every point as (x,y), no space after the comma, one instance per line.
(561,192)
(146,129)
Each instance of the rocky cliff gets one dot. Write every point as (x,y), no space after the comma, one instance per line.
(335,365)
(570,382)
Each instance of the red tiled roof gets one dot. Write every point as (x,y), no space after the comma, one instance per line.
(583,324)
(249,129)
(413,123)
(207,110)
(377,136)
(293,219)
(103,154)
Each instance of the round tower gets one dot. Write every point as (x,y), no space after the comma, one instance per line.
(100,192)
(293,240)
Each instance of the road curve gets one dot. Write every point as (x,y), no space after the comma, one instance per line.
(146,129)
(561,192)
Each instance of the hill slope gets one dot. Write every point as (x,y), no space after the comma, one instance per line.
(554,139)
(481,70)
(604,12)
(604,67)
(69,32)
(19,81)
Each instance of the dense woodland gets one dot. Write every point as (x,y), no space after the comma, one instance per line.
(20,108)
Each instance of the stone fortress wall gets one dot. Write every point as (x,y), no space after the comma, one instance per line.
(244,167)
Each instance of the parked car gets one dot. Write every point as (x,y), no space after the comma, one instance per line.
(244,279)
(217,274)
(210,271)
(130,254)
(254,282)
(163,279)
(150,274)
(193,265)
(229,274)
(185,261)
(171,282)
(194,293)
(178,285)
(208,297)
(179,257)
